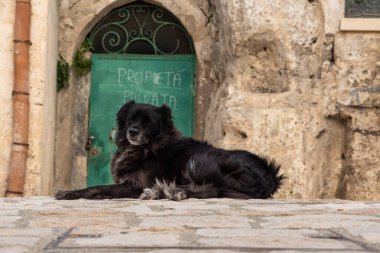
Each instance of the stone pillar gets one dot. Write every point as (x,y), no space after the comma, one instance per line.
(358,100)
(44,55)
(7,14)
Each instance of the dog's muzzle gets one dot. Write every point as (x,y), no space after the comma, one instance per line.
(136,137)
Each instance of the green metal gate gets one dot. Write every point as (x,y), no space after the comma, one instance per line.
(116,79)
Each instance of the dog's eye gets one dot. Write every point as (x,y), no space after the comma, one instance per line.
(150,122)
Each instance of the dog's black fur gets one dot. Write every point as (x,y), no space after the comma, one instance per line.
(154,161)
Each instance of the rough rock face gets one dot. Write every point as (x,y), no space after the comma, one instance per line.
(276,77)
(290,85)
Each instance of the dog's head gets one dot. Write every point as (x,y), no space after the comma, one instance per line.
(140,124)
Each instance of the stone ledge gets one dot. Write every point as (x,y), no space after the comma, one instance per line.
(360,24)
(211,225)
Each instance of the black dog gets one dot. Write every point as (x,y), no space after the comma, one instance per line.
(153,161)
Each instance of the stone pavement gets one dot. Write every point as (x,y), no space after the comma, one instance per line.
(42,224)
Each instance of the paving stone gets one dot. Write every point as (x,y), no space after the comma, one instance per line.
(190,251)
(133,239)
(196,221)
(7,221)
(7,212)
(27,241)
(26,232)
(322,221)
(213,225)
(16,249)
(304,239)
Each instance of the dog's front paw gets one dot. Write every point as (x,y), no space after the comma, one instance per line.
(177,195)
(150,193)
(61,195)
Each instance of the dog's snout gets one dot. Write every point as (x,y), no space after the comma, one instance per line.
(133,132)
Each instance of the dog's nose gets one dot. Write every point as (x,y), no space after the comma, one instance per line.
(133,132)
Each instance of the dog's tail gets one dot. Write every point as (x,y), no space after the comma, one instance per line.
(273,169)
(242,175)
(251,176)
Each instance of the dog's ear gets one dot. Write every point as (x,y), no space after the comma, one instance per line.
(167,118)
(121,116)
(166,112)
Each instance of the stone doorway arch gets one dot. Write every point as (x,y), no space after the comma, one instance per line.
(72,103)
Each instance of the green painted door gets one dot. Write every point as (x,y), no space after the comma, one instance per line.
(152,79)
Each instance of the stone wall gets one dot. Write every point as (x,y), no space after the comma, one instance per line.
(291,86)
(43,87)
(6,73)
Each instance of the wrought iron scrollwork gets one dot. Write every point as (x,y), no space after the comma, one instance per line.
(143,29)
